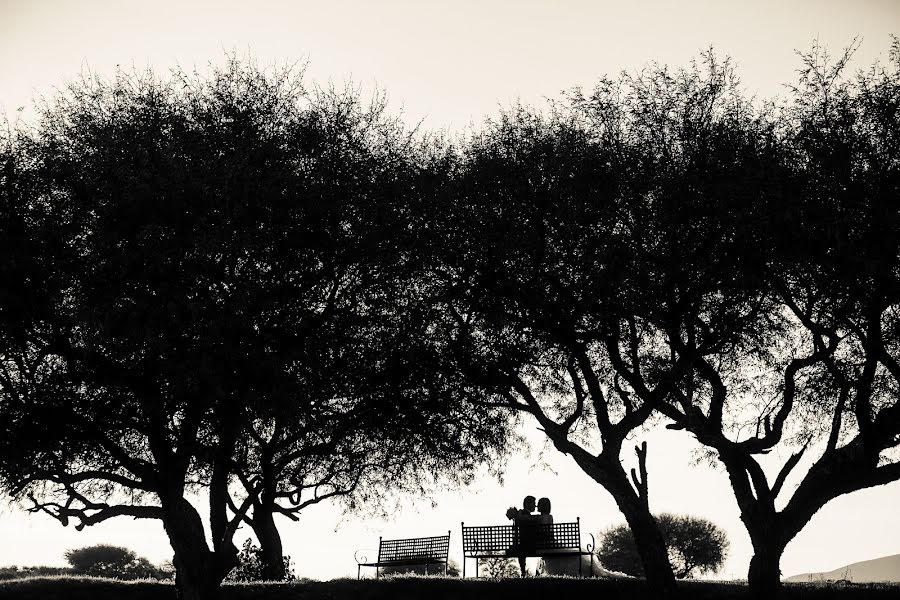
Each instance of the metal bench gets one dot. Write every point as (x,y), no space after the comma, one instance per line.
(408,552)
(522,540)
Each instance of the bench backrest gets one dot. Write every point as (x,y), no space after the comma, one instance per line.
(540,538)
(406,550)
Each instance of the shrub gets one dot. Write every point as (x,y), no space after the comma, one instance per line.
(498,568)
(250,565)
(695,545)
(103,560)
(452,570)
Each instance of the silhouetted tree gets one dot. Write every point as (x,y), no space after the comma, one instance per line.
(103,560)
(136,373)
(528,241)
(777,294)
(222,284)
(695,545)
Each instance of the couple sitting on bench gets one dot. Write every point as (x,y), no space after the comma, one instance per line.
(526,527)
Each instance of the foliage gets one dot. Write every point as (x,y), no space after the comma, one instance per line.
(498,568)
(103,560)
(695,545)
(251,566)
(558,234)
(283,296)
(213,292)
(764,288)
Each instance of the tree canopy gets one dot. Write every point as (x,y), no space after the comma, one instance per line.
(217,300)
(280,295)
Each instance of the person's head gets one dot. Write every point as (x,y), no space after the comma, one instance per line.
(528,503)
(543,506)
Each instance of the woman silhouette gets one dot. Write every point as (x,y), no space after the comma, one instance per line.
(543,506)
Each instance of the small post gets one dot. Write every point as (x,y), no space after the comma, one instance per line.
(463,529)
(578,525)
(377,567)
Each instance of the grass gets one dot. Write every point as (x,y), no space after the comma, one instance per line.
(410,588)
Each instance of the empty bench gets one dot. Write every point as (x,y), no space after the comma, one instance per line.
(408,552)
(525,539)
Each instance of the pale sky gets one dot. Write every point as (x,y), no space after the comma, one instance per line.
(451,63)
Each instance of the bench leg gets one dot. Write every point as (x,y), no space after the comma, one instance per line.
(357,572)
(377,572)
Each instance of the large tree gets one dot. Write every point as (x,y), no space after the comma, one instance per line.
(780,298)
(217,310)
(576,233)
(142,364)
(525,250)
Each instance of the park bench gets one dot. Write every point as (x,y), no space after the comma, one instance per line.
(408,552)
(522,540)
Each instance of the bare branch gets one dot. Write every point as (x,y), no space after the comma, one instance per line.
(787,468)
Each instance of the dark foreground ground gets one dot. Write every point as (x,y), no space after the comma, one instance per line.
(415,588)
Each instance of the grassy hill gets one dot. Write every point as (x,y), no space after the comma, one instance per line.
(884,569)
(414,588)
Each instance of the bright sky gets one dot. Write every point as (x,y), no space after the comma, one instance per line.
(451,63)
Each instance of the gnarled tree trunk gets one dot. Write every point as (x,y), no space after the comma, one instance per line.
(607,470)
(263,524)
(764,576)
(198,571)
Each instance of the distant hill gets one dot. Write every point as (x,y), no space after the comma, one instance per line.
(886,568)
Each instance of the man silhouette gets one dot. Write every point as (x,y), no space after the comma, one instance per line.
(524,528)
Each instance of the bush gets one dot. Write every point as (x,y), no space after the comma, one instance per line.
(695,545)
(103,560)
(499,568)
(250,565)
(452,569)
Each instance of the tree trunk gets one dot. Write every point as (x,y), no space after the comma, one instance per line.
(651,547)
(764,577)
(269,542)
(198,572)
(648,538)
